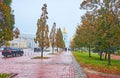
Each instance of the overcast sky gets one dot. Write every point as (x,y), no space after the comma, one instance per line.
(65,13)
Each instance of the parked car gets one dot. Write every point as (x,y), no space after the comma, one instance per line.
(37,49)
(47,50)
(13,52)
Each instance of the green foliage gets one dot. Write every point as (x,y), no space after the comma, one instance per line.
(42,30)
(42,34)
(6,22)
(59,39)
(100,27)
(7,2)
(52,35)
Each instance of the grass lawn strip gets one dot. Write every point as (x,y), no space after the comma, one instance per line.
(93,63)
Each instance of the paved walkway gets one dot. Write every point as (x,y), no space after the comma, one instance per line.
(94,74)
(116,57)
(62,65)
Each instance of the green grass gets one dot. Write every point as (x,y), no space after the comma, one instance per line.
(39,57)
(4,75)
(95,64)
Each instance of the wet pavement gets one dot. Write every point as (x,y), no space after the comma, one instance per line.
(57,66)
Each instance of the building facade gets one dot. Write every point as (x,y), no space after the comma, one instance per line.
(65,38)
(24,41)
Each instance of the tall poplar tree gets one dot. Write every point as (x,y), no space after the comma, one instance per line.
(59,39)
(52,36)
(42,30)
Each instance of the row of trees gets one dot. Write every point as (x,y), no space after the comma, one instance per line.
(42,35)
(100,28)
(7,22)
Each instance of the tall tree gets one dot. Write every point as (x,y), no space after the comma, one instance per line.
(88,25)
(52,36)
(62,43)
(6,22)
(42,30)
(79,40)
(59,39)
(107,13)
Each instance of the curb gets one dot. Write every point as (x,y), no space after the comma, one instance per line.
(79,73)
(12,75)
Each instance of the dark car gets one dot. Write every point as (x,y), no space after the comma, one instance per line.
(13,52)
(37,49)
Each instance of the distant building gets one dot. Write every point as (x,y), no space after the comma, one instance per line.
(24,41)
(65,37)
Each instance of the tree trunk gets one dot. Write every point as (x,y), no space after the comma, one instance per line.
(100,55)
(52,50)
(42,53)
(105,55)
(89,51)
(57,49)
(109,60)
